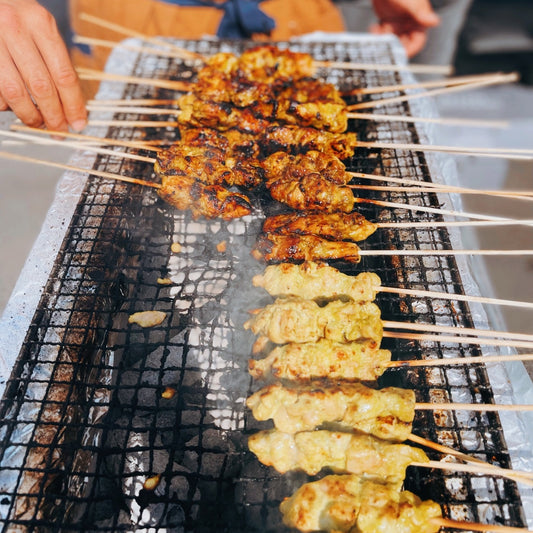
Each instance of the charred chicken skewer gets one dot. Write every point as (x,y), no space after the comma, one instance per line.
(351,503)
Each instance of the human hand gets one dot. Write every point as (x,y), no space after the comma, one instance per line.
(37,79)
(408,19)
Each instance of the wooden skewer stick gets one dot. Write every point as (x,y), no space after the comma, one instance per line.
(100,173)
(525,153)
(456,297)
(473,526)
(497,79)
(445,82)
(145,102)
(98,75)
(435,328)
(418,183)
(133,109)
(456,339)
(431,69)
(426,406)
(134,123)
(455,223)
(79,145)
(479,360)
(91,41)
(515,195)
(470,468)
(141,145)
(524,476)
(431,252)
(448,121)
(425,209)
(186,54)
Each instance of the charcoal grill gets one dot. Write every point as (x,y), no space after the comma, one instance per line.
(84,420)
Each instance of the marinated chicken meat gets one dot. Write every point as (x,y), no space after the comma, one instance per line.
(311,192)
(265,63)
(362,361)
(275,138)
(312,451)
(197,111)
(209,201)
(284,248)
(353,504)
(295,319)
(326,164)
(334,226)
(317,281)
(384,413)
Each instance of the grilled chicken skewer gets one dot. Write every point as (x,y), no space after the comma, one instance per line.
(349,503)
(312,451)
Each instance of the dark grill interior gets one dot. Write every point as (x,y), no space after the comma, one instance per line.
(84,419)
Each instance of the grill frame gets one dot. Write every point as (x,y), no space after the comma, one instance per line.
(96,285)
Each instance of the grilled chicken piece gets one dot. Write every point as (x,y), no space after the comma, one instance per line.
(311,193)
(311,451)
(327,165)
(296,319)
(297,140)
(284,248)
(323,359)
(353,504)
(209,165)
(261,63)
(196,110)
(387,413)
(317,281)
(209,201)
(335,226)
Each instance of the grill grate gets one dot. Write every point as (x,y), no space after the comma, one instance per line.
(84,421)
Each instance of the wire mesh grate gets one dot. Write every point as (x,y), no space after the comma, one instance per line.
(96,405)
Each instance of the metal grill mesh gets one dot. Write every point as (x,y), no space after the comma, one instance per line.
(84,419)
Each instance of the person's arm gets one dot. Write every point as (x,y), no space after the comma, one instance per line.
(408,19)
(37,79)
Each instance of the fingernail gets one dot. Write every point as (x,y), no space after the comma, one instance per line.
(79,125)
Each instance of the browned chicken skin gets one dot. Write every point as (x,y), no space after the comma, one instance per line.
(334,226)
(285,248)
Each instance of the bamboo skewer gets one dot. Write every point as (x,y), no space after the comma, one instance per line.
(458,297)
(436,328)
(516,195)
(479,360)
(168,46)
(100,173)
(186,54)
(456,339)
(448,121)
(446,82)
(427,406)
(433,252)
(473,526)
(148,108)
(497,79)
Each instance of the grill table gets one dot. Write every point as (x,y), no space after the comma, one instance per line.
(84,423)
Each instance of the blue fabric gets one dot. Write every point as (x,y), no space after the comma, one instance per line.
(242,18)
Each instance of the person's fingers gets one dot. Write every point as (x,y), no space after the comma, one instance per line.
(424,15)
(413,42)
(14,93)
(3,104)
(64,76)
(34,71)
